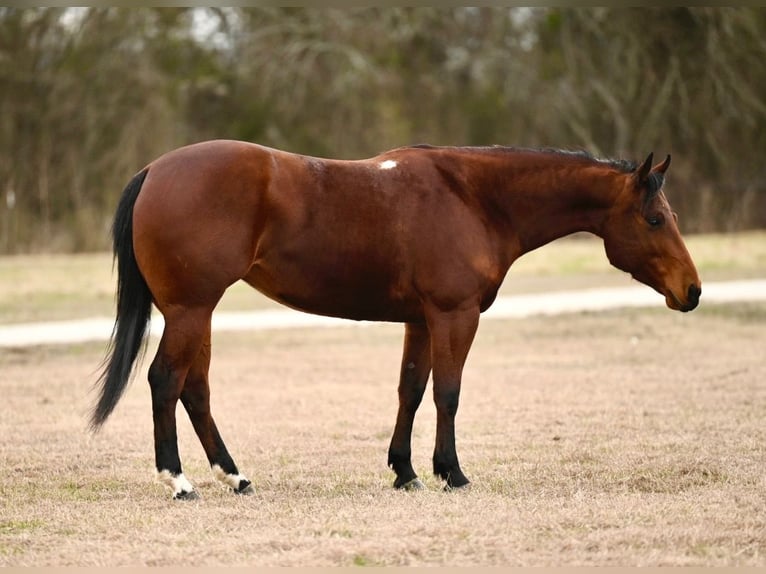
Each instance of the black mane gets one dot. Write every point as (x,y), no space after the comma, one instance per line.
(622,165)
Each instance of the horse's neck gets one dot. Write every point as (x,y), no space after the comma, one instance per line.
(553,201)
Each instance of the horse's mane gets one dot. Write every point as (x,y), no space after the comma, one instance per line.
(622,165)
(653,184)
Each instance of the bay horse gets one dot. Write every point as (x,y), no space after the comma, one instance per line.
(418,235)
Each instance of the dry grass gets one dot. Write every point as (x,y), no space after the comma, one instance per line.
(624,438)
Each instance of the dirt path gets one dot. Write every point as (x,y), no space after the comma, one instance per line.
(597,299)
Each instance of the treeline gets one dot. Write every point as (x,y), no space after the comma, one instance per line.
(89,95)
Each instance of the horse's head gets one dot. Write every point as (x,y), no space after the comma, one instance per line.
(641,237)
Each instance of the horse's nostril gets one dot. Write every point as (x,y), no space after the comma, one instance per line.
(693,294)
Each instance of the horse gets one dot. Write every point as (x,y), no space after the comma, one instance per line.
(419,235)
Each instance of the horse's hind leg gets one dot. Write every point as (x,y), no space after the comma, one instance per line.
(182,339)
(451,338)
(195,397)
(416,367)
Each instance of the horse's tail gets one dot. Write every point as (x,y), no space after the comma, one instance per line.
(134,307)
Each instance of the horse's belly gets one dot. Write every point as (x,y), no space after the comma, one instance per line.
(364,296)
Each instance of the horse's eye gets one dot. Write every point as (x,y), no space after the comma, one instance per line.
(655,220)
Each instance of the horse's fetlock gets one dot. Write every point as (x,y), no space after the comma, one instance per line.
(398,457)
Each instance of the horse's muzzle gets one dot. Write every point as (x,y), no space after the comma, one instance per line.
(692,298)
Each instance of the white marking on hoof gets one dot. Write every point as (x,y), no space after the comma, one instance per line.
(388,164)
(233,481)
(182,488)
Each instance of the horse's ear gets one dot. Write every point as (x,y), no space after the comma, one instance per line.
(662,167)
(642,171)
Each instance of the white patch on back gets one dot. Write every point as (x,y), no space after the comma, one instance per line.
(388,164)
(178,483)
(230,480)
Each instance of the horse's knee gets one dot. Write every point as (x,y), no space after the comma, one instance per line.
(411,395)
(448,400)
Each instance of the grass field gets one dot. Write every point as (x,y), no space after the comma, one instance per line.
(630,437)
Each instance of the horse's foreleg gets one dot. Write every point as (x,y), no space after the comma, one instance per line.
(195,397)
(416,366)
(181,341)
(451,338)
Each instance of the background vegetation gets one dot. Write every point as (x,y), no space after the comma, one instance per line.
(87,96)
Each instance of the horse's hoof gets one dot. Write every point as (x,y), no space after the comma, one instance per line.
(186,495)
(246,489)
(412,485)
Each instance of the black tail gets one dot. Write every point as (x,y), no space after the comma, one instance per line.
(134,307)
